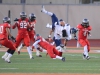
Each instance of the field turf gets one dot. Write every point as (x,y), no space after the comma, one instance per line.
(74,64)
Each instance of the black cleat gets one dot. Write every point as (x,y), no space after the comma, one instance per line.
(63,59)
(39,56)
(32,58)
(8,62)
(87,57)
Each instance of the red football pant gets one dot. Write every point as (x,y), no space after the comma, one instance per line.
(31,36)
(52,52)
(7,43)
(25,38)
(84,42)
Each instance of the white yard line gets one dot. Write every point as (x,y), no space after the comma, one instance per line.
(8,68)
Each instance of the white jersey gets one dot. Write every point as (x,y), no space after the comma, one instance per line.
(67,28)
(58,32)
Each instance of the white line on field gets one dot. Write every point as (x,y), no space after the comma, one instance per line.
(8,68)
(81,55)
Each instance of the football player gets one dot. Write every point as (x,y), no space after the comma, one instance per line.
(60,29)
(22,25)
(51,50)
(84,31)
(4,33)
(31,33)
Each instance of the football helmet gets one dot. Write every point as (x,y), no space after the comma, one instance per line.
(6,20)
(23,15)
(85,23)
(73,30)
(32,17)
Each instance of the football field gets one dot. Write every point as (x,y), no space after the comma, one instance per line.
(74,64)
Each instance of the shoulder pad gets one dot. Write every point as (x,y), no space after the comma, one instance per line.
(67,24)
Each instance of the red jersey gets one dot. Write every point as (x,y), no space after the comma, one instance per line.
(3,33)
(32,27)
(83,32)
(22,26)
(44,44)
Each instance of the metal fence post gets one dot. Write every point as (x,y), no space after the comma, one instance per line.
(67,12)
(23,7)
(91,1)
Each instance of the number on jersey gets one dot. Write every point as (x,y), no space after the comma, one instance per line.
(23,25)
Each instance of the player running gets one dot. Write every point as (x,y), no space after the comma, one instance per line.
(4,33)
(83,31)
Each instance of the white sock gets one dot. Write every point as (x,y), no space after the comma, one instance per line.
(9,56)
(30,47)
(58,57)
(5,55)
(37,52)
(85,50)
(45,51)
(20,47)
(59,49)
(46,12)
(29,52)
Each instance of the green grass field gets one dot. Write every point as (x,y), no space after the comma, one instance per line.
(74,64)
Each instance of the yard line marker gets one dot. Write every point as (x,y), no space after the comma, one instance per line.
(8,68)
(81,55)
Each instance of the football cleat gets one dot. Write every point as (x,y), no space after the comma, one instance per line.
(39,55)
(63,59)
(42,8)
(31,57)
(84,56)
(3,57)
(87,57)
(7,60)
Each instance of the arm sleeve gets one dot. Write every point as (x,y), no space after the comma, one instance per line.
(36,43)
(15,25)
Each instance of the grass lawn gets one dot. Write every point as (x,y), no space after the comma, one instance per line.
(74,64)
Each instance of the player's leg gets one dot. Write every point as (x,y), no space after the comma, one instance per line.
(52,54)
(27,44)
(58,52)
(84,44)
(20,46)
(6,54)
(88,45)
(7,43)
(18,41)
(60,48)
(53,16)
(9,56)
(46,12)
(57,41)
